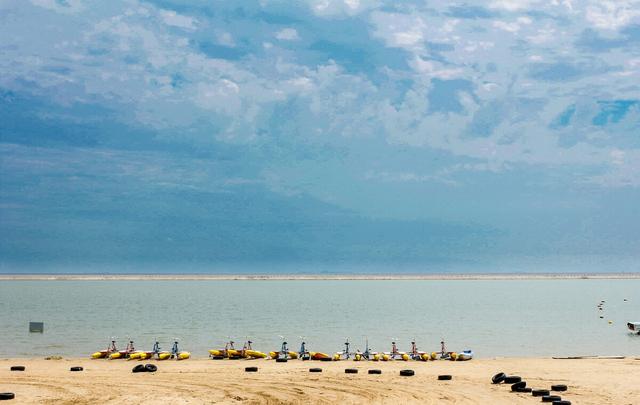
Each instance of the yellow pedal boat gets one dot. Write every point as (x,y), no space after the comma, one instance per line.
(254,354)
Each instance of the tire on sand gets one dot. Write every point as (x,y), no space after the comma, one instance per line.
(518,385)
(375,371)
(151,368)
(540,393)
(315,370)
(281,360)
(4,396)
(407,373)
(498,378)
(512,379)
(140,368)
(444,377)
(76,369)
(551,398)
(351,371)
(251,369)
(559,387)
(17,368)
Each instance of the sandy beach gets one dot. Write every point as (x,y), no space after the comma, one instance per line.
(203,381)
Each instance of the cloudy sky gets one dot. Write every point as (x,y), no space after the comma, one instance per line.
(324,135)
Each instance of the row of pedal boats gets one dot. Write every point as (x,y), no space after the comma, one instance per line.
(394,354)
(247,352)
(130,353)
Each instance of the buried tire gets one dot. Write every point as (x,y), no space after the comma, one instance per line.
(4,396)
(251,369)
(407,373)
(315,370)
(140,368)
(498,378)
(76,369)
(375,371)
(151,368)
(444,377)
(17,368)
(351,371)
(279,360)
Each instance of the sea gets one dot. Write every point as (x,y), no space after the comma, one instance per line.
(494,318)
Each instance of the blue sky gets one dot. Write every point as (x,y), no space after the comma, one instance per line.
(321,135)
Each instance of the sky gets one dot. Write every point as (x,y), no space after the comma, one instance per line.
(319,135)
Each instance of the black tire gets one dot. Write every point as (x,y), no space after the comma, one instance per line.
(151,368)
(518,385)
(512,379)
(375,371)
(218,357)
(351,371)
(76,369)
(251,369)
(407,373)
(561,402)
(280,360)
(444,377)
(326,359)
(17,368)
(540,393)
(140,368)
(524,390)
(4,396)
(559,387)
(315,370)
(498,378)
(551,398)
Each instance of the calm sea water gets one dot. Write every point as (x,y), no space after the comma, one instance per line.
(494,318)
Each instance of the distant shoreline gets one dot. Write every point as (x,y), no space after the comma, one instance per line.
(312,277)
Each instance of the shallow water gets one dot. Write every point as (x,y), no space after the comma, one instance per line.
(492,317)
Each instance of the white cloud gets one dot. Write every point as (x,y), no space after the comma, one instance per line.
(174,19)
(407,38)
(226,39)
(542,36)
(513,26)
(611,15)
(331,8)
(287,34)
(434,69)
(511,5)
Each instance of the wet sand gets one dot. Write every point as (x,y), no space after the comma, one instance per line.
(204,381)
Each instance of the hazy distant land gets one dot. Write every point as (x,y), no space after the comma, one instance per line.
(443,276)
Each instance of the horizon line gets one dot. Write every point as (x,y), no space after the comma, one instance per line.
(312,276)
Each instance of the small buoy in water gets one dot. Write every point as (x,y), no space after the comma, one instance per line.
(602,317)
